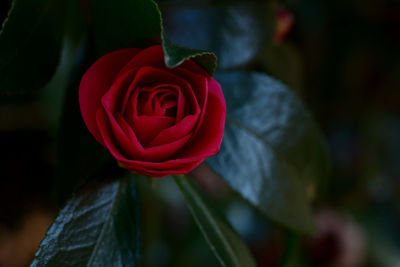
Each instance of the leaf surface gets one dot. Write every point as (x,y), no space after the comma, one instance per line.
(272,153)
(30,44)
(236,32)
(125,23)
(99,226)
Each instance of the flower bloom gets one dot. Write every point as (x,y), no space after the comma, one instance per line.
(154,120)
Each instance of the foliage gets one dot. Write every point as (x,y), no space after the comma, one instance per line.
(272,155)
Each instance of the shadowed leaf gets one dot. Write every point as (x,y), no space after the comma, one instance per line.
(236,32)
(30,44)
(272,152)
(99,226)
(125,23)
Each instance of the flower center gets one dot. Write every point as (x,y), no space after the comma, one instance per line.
(157,102)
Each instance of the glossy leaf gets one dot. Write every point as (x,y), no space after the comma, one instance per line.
(175,55)
(30,44)
(126,23)
(236,32)
(99,226)
(224,242)
(272,152)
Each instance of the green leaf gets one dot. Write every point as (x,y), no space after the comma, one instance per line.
(236,31)
(30,44)
(174,55)
(272,152)
(224,242)
(99,226)
(127,23)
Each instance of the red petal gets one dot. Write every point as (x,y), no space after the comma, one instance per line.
(122,143)
(112,100)
(199,85)
(161,169)
(117,140)
(147,128)
(192,66)
(208,139)
(152,77)
(182,128)
(96,81)
(196,81)
(151,56)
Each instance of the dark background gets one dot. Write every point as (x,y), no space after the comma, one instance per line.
(343,59)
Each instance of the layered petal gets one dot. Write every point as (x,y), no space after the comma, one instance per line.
(156,170)
(123,144)
(154,120)
(207,140)
(96,82)
(151,56)
(153,77)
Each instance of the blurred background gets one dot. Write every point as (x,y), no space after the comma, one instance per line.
(341,57)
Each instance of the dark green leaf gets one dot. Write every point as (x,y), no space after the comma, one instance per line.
(99,226)
(272,152)
(236,32)
(224,242)
(30,44)
(175,55)
(126,23)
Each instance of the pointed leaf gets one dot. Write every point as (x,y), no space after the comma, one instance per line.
(125,23)
(175,55)
(98,227)
(236,31)
(224,242)
(30,44)
(272,152)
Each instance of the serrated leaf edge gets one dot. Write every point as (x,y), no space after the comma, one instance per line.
(164,41)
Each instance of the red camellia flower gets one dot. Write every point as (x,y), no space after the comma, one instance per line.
(154,120)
